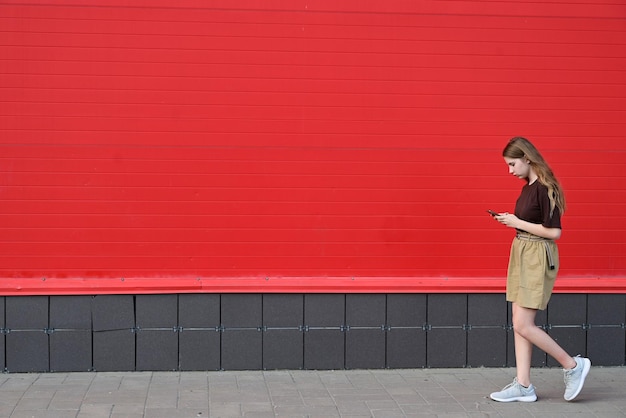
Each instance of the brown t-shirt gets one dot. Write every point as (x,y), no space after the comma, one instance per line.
(533,205)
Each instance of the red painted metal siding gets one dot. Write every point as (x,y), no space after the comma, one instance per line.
(302,145)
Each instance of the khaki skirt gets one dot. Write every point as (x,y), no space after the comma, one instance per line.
(533,265)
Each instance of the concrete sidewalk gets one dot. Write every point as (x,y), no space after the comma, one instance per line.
(289,393)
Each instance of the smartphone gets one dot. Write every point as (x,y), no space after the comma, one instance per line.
(492,213)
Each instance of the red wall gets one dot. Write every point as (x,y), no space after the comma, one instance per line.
(302,145)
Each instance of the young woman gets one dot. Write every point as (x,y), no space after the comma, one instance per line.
(533,266)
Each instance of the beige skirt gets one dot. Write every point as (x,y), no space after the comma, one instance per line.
(533,265)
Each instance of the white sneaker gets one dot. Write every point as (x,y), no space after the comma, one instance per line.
(575,378)
(515,392)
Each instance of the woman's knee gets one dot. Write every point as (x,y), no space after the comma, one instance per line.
(522,328)
(524,323)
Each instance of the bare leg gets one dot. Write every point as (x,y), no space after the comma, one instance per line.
(528,334)
(523,355)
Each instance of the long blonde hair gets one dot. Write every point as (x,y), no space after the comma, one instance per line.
(519,147)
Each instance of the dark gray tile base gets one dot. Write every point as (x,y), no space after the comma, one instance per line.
(283,349)
(27,351)
(70,351)
(199,350)
(114,350)
(294,331)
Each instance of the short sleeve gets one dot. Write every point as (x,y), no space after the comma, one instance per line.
(553,221)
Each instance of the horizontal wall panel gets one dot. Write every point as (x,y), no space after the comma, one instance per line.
(162,10)
(440,104)
(330,47)
(325,140)
(268,79)
(450,29)
(44,101)
(428,122)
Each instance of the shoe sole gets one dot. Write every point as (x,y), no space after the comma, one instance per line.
(516,399)
(585,372)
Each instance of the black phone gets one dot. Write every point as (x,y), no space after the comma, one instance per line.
(492,213)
